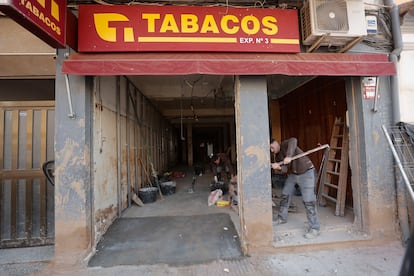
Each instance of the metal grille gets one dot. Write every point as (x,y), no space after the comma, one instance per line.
(26,198)
(401,142)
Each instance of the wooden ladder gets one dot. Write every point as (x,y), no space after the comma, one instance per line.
(335,173)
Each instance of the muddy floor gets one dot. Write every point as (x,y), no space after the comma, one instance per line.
(339,250)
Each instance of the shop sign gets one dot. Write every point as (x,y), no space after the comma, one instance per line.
(44,18)
(136,28)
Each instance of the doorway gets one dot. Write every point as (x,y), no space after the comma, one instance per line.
(26,197)
(308,113)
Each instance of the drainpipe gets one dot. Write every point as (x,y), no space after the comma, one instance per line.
(394,57)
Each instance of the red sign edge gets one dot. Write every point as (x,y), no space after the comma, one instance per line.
(9,9)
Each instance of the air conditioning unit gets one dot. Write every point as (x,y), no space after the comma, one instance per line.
(340,21)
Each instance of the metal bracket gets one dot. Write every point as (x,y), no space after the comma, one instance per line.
(351,44)
(375,107)
(345,48)
(317,43)
(71,115)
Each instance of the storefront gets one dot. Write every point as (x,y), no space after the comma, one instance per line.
(258,48)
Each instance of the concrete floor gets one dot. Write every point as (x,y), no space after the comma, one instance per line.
(289,258)
(173,240)
(333,228)
(183,203)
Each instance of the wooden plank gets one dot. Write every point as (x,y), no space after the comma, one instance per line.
(329,197)
(29,208)
(1,169)
(22,174)
(2,132)
(29,139)
(128,147)
(42,209)
(334,186)
(14,166)
(43,190)
(43,135)
(333,172)
(335,160)
(29,165)
(15,139)
(1,209)
(13,210)
(26,104)
(25,243)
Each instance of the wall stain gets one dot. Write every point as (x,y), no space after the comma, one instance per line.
(376,136)
(257,158)
(71,172)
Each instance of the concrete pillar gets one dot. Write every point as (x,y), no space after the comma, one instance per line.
(253,161)
(370,159)
(72,168)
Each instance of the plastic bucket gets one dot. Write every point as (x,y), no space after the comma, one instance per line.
(148,194)
(168,188)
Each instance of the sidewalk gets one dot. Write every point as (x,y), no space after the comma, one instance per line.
(346,259)
(338,251)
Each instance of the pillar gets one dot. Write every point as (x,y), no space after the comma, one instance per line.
(72,167)
(253,161)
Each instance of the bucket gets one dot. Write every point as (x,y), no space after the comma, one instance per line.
(148,194)
(168,188)
(219,185)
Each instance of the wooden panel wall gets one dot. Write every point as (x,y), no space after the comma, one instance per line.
(308,114)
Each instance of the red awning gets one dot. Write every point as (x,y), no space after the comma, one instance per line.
(303,64)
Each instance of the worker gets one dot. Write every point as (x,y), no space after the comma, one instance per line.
(302,172)
(221,161)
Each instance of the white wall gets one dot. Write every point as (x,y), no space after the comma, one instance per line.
(406,86)
(406,79)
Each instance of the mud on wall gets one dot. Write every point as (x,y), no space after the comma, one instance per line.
(104,154)
(129,135)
